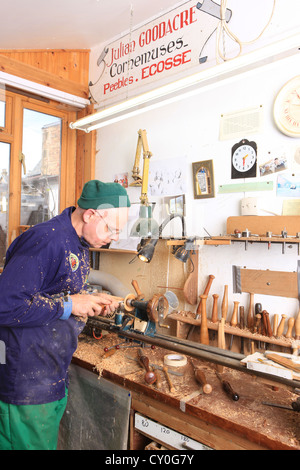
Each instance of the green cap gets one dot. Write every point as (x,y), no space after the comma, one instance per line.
(98,195)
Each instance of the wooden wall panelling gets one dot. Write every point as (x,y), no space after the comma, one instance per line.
(70,64)
(85,154)
(55,80)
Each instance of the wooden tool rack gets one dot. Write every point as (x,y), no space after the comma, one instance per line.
(213,420)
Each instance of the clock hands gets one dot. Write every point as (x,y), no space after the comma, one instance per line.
(244,158)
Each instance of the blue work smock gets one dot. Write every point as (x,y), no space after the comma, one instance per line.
(44,263)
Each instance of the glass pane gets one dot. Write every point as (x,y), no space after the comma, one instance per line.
(41,167)
(4,198)
(2,113)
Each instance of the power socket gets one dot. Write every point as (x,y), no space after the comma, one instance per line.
(249,206)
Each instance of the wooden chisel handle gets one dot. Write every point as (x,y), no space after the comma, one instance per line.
(172,389)
(291,323)
(297,326)
(281,326)
(267,324)
(250,317)
(225,303)
(137,289)
(150,376)
(204,336)
(201,379)
(206,292)
(234,318)
(275,324)
(242,317)
(214,315)
(228,389)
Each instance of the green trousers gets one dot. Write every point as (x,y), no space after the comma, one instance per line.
(30,427)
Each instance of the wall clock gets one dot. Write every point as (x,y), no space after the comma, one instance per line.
(244,159)
(287,108)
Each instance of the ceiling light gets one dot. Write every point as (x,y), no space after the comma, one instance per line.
(190,85)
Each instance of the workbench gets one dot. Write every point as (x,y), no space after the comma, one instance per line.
(211,419)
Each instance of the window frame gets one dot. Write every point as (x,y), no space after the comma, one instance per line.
(13,134)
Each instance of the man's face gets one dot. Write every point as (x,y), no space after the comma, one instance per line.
(103,226)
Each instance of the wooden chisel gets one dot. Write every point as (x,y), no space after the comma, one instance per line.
(201,379)
(198,313)
(234,320)
(228,389)
(150,376)
(242,325)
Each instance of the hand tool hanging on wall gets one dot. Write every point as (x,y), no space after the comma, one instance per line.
(190,288)
(198,312)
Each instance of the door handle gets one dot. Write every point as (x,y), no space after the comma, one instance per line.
(22,160)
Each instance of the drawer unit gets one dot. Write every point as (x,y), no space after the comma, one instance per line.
(166,436)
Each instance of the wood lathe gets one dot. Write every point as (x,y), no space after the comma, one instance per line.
(137,320)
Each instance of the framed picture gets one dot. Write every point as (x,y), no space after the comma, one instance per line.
(203,179)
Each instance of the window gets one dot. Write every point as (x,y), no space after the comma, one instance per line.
(4,197)
(41,157)
(37,163)
(2,114)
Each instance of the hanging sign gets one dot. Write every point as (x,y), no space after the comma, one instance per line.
(170,45)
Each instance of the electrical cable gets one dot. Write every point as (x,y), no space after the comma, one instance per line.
(223,30)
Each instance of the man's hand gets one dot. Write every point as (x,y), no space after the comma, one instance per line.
(89,305)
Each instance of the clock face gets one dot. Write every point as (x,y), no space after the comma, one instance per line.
(287,108)
(244,159)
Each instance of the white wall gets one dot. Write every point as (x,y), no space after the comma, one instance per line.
(190,129)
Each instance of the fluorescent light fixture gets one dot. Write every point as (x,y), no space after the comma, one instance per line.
(42,90)
(190,85)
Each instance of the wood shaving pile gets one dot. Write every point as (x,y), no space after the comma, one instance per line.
(278,424)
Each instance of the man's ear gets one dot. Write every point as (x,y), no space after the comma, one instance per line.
(88,215)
